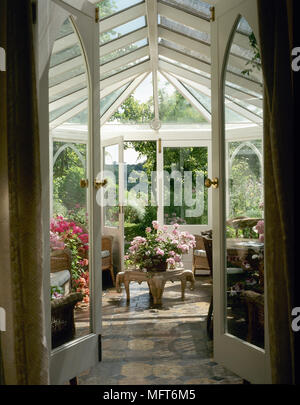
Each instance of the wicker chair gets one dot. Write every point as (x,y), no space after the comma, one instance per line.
(62,318)
(107,257)
(60,276)
(255,307)
(199,255)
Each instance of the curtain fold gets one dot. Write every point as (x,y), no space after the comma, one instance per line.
(279,184)
(23,344)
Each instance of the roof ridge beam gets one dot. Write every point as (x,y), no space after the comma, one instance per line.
(152,16)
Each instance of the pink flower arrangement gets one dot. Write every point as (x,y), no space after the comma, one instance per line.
(159,248)
(64,233)
(260,229)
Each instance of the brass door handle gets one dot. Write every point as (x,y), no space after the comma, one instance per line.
(84,183)
(100,183)
(214,182)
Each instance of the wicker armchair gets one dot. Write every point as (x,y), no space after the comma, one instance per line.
(107,257)
(60,275)
(62,318)
(199,255)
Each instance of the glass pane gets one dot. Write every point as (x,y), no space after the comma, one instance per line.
(108,100)
(69,238)
(244,227)
(138,107)
(110,7)
(111,191)
(185,197)
(122,51)
(183,29)
(173,107)
(124,67)
(140,180)
(66,54)
(69,227)
(122,30)
(195,6)
(66,108)
(182,49)
(231,116)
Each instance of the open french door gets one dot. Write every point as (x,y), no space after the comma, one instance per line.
(234,27)
(113,196)
(183,198)
(83,348)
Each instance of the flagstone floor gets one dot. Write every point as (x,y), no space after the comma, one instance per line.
(166,345)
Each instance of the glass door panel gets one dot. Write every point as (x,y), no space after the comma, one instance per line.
(111,194)
(240,330)
(75,238)
(244,230)
(113,198)
(140,188)
(69,238)
(184,199)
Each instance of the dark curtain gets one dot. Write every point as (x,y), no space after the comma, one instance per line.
(23,348)
(275,37)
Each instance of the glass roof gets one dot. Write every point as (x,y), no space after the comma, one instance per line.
(136,39)
(122,30)
(110,7)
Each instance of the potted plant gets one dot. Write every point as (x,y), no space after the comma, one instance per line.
(159,249)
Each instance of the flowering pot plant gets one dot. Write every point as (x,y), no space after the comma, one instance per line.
(64,233)
(260,229)
(159,249)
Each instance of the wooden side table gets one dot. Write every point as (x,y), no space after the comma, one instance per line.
(156,281)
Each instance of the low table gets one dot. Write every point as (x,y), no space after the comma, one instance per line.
(156,281)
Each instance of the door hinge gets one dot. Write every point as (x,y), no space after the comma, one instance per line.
(212,13)
(159,145)
(99,348)
(97,14)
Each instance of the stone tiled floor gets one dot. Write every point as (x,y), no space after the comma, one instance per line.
(164,345)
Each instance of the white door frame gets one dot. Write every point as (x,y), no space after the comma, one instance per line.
(69,360)
(243,358)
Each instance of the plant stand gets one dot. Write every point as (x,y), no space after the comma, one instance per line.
(156,281)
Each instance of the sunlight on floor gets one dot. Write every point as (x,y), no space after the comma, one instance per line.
(165,345)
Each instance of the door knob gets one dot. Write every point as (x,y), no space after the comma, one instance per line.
(214,182)
(100,183)
(84,183)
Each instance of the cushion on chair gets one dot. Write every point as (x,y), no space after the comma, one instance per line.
(105,253)
(201,253)
(234,270)
(60,278)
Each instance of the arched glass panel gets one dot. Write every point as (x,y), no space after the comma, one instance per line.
(244,228)
(69,227)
